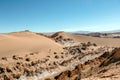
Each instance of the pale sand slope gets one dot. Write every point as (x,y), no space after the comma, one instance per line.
(113,42)
(26,42)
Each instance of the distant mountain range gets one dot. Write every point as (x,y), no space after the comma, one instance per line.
(112,31)
(87,32)
(81,32)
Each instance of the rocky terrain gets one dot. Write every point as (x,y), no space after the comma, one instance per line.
(104,35)
(74,61)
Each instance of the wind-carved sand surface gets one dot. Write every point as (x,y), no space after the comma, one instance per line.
(62,56)
(26,42)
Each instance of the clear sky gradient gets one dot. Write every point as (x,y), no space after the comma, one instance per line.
(59,15)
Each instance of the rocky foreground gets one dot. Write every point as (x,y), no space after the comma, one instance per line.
(77,61)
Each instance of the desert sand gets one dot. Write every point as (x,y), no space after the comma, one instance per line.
(113,42)
(26,42)
(28,55)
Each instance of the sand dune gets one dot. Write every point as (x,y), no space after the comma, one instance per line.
(58,56)
(26,42)
(112,42)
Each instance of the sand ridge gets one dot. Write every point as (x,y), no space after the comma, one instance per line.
(26,42)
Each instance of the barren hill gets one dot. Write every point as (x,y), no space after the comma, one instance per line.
(28,55)
(26,42)
(113,42)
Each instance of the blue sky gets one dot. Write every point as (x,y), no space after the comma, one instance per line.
(59,15)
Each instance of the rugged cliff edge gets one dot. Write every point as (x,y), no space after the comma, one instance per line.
(67,59)
(76,61)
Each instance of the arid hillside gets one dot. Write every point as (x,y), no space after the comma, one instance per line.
(26,42)
(28,55)
(113,42)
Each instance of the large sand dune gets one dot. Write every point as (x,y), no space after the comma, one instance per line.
(26,42)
